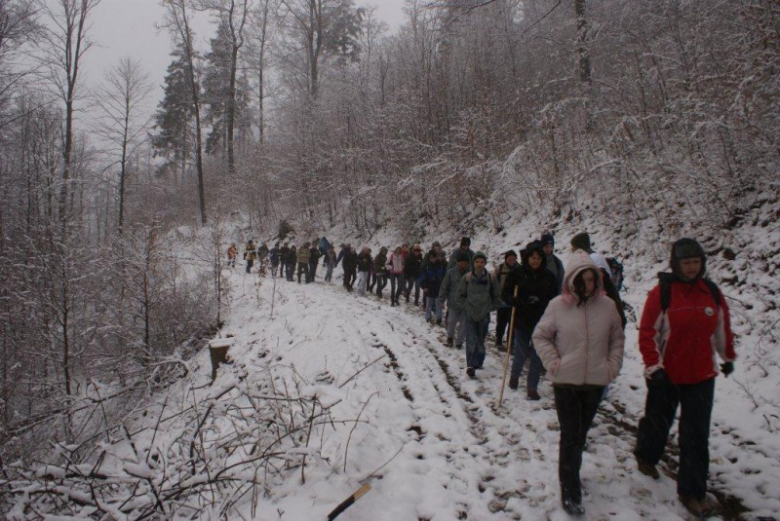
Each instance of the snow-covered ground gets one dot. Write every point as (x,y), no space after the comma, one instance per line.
(441,448)
(328,391)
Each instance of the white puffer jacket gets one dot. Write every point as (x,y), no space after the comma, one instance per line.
(580,345)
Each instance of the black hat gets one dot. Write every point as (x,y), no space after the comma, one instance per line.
(534,247)
(462,256)
(548,238)
(510,253)
(581,241)
(465,241)
(687,249)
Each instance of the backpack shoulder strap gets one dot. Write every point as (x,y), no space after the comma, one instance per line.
(664,284)
(714,289)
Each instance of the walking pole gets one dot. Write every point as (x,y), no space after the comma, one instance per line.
(511,337)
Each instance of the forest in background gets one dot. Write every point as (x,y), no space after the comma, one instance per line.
(662,117)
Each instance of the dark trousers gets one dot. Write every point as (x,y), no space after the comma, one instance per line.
(503,315)
(381,282)
(303,269)
(576,407)
(290,269)
(274,267)
(475,341)
(412,282)
(312,272)
(249,264)
(695,402)
(349,279)
(396,286)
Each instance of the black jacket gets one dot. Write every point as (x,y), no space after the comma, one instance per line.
(413,265)
(536,288)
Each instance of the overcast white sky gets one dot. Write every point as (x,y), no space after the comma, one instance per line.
(127,28)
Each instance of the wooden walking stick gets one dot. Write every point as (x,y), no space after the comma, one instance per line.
(511,337)
(348,502)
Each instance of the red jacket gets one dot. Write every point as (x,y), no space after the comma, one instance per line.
(684,340)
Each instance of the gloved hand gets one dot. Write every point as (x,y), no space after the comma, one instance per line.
(659,377)
(727,368)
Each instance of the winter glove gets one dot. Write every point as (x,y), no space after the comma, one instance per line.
(727,368)
(659,377)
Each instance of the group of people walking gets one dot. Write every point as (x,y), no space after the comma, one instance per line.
(568,321)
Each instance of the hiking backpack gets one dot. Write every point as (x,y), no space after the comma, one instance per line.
(616,272)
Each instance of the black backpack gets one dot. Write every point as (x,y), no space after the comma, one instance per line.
(665,284)
(616,272)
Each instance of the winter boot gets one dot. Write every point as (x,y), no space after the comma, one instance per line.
(646,468)
(697,507)
(471,372)
(533,395)
(514,381)
(572,507)
(450,342)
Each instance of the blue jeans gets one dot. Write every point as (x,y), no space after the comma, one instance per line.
(524,349)
(396,285)
(476,331)
(432,306)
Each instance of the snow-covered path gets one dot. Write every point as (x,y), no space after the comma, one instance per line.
(442,450)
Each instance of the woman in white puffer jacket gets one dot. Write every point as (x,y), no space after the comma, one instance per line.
(580,341)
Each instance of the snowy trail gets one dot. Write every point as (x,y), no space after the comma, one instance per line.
(459,458)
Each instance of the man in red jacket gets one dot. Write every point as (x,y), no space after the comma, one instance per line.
(685,322)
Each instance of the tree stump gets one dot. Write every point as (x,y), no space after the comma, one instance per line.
(218,349)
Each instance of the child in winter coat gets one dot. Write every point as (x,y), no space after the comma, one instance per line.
(478,295)
(580,341)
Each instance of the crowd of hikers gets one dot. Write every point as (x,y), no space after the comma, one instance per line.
(567,322)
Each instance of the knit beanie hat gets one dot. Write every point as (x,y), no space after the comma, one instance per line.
(581,241)
(480,255)
(465,241)
(510,253)
(686,248)
(548,238)
(462,256)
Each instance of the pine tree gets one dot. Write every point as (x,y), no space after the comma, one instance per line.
(173,118)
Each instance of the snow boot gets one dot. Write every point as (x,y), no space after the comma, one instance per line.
(697,507)
(471,372)
(459,346)
(533,395)
(573,508)
(646,468)
(514,381)
(450,342)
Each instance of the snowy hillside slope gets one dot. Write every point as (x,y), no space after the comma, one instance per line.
(328,391)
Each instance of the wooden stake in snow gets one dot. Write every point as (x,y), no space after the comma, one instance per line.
(511,336)
(218,349)
(349,502)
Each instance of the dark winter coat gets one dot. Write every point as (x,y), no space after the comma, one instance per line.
(536,288)
(350,261)
(292,256)
(364,262)
(380,262)
(284,254)
(314,256)
(274,253)
(413,265)
(432,278)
